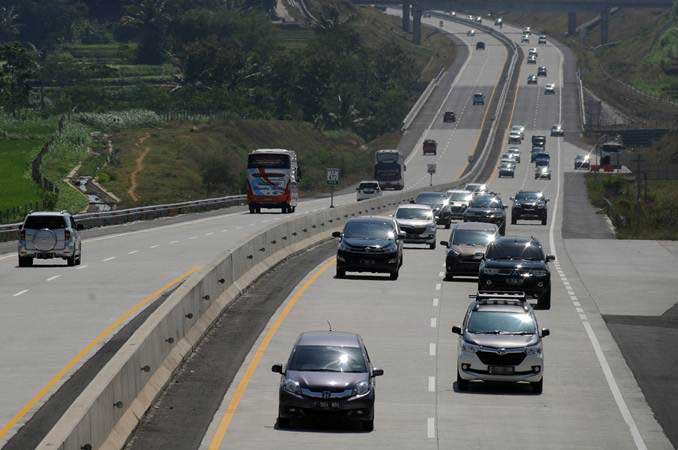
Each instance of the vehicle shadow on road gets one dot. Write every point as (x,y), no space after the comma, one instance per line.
(495,388)
(327,425)
(461,280)
(364,277)
(43,266)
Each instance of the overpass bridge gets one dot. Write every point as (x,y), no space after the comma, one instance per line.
(413,9)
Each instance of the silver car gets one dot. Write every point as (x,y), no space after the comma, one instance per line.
(418,224)
(48,235)
(458,201)
(500,340)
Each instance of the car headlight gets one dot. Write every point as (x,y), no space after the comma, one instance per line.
(533,350)
(488,271)
(537,273)
(343,247)
(468,347)
(362,388)
(291,386)
(431,227)
(390,248)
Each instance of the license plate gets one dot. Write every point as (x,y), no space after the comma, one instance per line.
(501,370)
(367,262)
(324,404)
(514,281)
(328,405)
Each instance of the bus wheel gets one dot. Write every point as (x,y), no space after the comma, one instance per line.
(252,210)
(284,209)
(258,210)
(293,209)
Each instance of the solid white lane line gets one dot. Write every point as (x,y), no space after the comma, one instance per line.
(435,302)
(434,322)
(52,278)
(431,384)
(84,266)
(133,252)
(431,349)
(108,259)
(438,286)
(20,293)
(154,246)
(430,428)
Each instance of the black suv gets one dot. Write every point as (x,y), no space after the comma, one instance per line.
(517,264)
(370,244)
(529,205)
(538,141)
(487,208)
(541,71)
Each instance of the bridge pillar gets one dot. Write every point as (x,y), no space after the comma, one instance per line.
(571,23)
(604,25)
(416,24)
(406,16)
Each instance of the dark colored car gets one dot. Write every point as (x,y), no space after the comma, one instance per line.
(487,208)
(466,248)
(430,147)
(480,46)
(529,205)
(517,264)
(439,203)
(370,244)
(449,117)
(328,372)
(541,71)
(582,162)
(531,79)
(479,98)
(542,159)
(536,151)
(539,141)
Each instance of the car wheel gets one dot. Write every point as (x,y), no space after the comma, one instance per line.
(514,220)
(449,276)
(462,384)
(447,226)
(293,209)
(502,230)
(394,275)
(545,300)
(341,273)
(538,387)
(71,261)
(252,210)
(432,246)
(543,220)
(25,261)
(258,210)
(283,422)
(367,425)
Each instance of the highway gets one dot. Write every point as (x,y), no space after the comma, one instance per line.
(591,399)
(55,317)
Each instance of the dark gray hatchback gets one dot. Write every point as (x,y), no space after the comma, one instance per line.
(328,374)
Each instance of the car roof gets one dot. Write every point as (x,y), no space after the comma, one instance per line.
(431,192)
(529,192)
(370,219)
(47,213)
(516,240)
(459,191)
(415,206)
(482,226)
(369,181)
(334,338)
(510,308)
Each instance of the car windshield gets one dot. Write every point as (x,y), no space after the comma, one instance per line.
(515,250)
(485,202)
(528,196)
(41,222)
(472,237)
(496,322)
(323,358)
(431,198)
(369,230)
(414,214)
(459,196)
(368,186)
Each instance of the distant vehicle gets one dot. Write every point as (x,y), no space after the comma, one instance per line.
(453,14)
(527,30)
(582,162)
(389,169)
(542,159)
(476,188)
(507,170)
(541,71)
(539,140)
(487,208)
(439,203)
(517,264)
(549,89)
(370,244)
(471,33)
(514,138)
(532,59)
(478,98)
(427,15)
(327,372)
(538,152)
(525,39)
(449,117)
(49,235)
(458,200)
(532,51)
(508,158)
(272,180)
(529,205)
(542,172)
(442,24)
(466,248)
(515,151)
(500,341)
(531,79)
(499,21)
(542,39)
(430,147)
(610,154)
(520,129)
(418,224)
(480,45)
(479,19)
(367,190)
(557,130)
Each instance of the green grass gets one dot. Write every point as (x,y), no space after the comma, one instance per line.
(20,142)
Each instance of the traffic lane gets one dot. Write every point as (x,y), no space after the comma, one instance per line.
(395,342)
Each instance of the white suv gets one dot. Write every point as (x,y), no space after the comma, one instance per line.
(367,190)
(500,340)
(48,235)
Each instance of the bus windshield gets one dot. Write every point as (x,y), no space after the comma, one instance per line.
(388,157)
(268,160)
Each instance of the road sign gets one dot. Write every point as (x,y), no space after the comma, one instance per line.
(431,168)
(333,176)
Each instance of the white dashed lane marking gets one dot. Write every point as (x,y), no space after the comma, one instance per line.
(82,267)
(133,252)
(430,428)
(155,246)
(111,258)
(435,302)
(431,384)
(53,277)
(434,322)
(432,349)
(20,293)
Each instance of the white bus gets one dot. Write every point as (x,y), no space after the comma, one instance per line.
(272,180)
(389,168)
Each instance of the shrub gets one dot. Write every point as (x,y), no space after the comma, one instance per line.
(118,120)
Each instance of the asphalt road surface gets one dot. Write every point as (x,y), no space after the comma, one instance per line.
(591,398)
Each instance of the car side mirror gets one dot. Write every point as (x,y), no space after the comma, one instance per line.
(79,226)
(277,368)
(456,330)
(545,332)
(411,202)
(336,234)
(550,258)
(546,200)
(445,243)
(377,372)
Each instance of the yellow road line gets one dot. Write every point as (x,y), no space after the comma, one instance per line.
(89,347)
(218,437)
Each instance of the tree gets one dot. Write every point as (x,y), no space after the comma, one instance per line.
(151,19)
(20,66)
(9,28)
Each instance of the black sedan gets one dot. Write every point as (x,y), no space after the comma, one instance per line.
(327,373)
(487,208)
(370,244)
(517,264)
